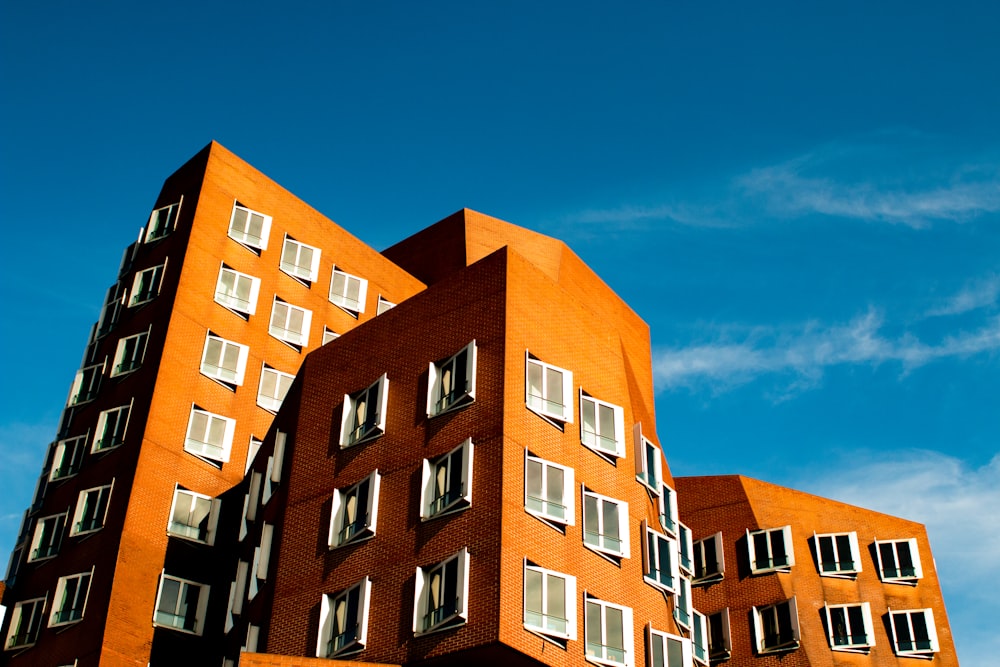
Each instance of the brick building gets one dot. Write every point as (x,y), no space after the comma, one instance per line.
(464,469)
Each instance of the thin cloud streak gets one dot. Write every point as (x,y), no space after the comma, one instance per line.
(980,294)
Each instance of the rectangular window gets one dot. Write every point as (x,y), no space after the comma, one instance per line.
(111,310)
(602,426)
(86,384)
(442,594)
(699,637)
(274,385)
(898,561)
(452,383)
(348,292)
(290,323)
(237,291)
(364,413)
(849,626)
(659,558)
(446,482)
(770,550)
(111,426)
(682,603)
(605,524)
(669,516)
(548,490)
(129,354)
(776,627)
(648,462)
(608,630)
(249,227)
(343,621)
(91,510)
(48,536)
(193,516)
(838,554)
(548,390)
(709,560)
(26,621)
(68,457)
(161,222)
(355,512)
(665,650)
(299,260)
(146,285)
(549,602)
(209,436)
(384,305)
(685,548)
(720,643)
(913,632)
(224,360)
(70,599)
(181,605)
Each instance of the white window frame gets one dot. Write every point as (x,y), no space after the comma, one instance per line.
(448,386)
(343,531)
(844,565)
(336,610)
(770,566)
(199,524)
(593,428)
(705,571)
(113,301)
(229,299)
(757,619)
(894,572)
(130,353)
(77,448)
(35,619)
(162,221)
(550,505)
(604,543)
(648,462)
(224,360)
(294,263)
(372,424)
(343,298)
(597,651)
(846,637)
(699,631)
(70,600)
(243,235)
(655,547)
(121,416)
(86,384)
(103,497)
(541,398)
(146,289)
(281,382)
(683,607)
(279,324)
(50,530)
(720,648)
(173,620)
(329,335)
(910,649)
(199,443)
(539,620)
(384,305)
(439,476)
(685,549)
(666,650)
(668,513)
(428,618)
(252,448)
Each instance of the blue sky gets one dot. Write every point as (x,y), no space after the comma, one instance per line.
(802,202)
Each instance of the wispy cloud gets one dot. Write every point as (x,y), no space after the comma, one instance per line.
(982,293)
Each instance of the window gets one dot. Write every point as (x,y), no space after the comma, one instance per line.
(605,524)
(328,335)
(666,650)
(181,605)
(669,517)
(682,602)
(913,632)
(146,285)
(162,222)
(364,413)
(253,633)
(273,386)
(249,227)
(720,643)
(91,509)
(209,436)
(112,308)
(776,627)
(685,548)
(549,602)
(384,305)
(261,560)
(70,599)
(348,291)
(849,626)
(290,323)
(86,384)
(47,537)
(250,501)
(237,593)
(699,637)
(660,560)
(25,623)
(648,462)
(355,512)
(224,360)
(770,550)
(299,260)
(452,383)
(548,490)
(442,594)
(608,630)
(447,482)
(68,457)
(237,291)
(193,516)
(548,390)
(602,426)
(129,354)
(898,561)
(343,621)
(709,560)
(111,425)
(838,554)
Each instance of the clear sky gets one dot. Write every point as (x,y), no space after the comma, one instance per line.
(802,202)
